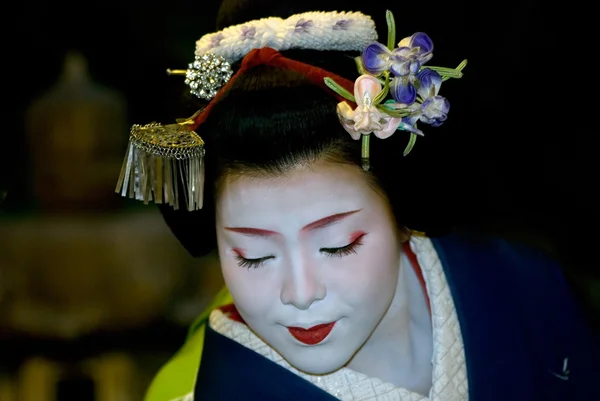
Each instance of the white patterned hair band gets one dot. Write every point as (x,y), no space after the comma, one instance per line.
(317,30)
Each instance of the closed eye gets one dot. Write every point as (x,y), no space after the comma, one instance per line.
(251,263)
(332,252)
(344,250)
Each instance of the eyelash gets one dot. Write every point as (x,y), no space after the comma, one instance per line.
(330,252)
(251,263)
(344,250)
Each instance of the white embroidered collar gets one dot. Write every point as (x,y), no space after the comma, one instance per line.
(449,367)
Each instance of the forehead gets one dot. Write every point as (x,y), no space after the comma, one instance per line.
(300,196)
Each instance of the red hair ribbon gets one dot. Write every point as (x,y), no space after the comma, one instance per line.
(271,57)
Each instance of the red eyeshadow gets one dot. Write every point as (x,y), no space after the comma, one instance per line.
(356,235)
(240,252)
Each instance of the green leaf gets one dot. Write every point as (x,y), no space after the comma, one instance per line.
(447,73)
(391,24)
(386,89)
(411,144)
(334,86)
(392,112)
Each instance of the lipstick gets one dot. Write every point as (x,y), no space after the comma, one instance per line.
(312,335)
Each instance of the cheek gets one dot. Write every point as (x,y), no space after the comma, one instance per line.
(372,273)
(250,289)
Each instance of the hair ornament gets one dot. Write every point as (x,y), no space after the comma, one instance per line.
(399,71)
(163,159)
(158,157)
(317,30)
(206,75)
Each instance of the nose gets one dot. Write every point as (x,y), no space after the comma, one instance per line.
(302,286)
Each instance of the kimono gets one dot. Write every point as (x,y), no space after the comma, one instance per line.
(505,327)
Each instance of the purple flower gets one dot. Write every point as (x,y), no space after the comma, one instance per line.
(421,44)
(434,109)
(248,33)
(404,62)
(430,82)
(403,89)
(376,58)
(341,25)
(302,25)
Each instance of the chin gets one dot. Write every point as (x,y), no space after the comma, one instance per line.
(319,362)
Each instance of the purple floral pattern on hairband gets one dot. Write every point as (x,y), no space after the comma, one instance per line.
(341,25)
(248,32)
(216,40)
(302,25)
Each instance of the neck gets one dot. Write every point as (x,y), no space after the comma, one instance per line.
(399,350)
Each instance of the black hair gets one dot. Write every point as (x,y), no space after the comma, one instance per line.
(272,119)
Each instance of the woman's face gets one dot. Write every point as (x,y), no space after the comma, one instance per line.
(316,249)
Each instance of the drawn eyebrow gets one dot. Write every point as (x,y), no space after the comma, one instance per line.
(327,221)
(252,232)
(315,225)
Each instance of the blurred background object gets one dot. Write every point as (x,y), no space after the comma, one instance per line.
(95,292)
(77,131)
(94,302)
(108,272)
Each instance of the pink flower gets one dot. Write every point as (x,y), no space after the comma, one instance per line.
(366,118)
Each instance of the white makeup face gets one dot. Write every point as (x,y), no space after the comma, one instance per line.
(315,247)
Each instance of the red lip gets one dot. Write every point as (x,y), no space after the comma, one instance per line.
(313,335)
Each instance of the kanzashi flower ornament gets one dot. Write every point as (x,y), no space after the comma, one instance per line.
(434,108)
(404,62)
(367,118)
(398,71)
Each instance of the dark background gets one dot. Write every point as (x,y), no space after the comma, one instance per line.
(516,145)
